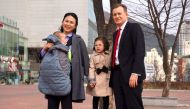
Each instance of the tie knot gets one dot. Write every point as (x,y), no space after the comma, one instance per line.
(119,29)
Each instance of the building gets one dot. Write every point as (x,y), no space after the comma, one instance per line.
(184,47)
(181,69)
(154,66)
(13,46)
(38,18)
(92,30)
(184,39)
(12,41)
(9,37)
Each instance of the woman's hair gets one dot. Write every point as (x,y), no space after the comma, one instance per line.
(74,16)
(104,41)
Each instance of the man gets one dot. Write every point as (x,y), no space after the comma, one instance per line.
(128,71)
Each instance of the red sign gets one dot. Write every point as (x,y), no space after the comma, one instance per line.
(1,24)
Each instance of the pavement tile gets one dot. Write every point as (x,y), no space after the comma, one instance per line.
(28,97)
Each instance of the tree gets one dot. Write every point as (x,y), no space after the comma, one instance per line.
(104,29)
(164,16)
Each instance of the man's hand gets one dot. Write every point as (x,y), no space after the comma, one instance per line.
(133,80)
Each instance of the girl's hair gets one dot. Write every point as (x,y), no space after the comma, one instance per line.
(74,16)
(104,41)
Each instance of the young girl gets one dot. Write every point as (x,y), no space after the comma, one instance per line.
(99,73)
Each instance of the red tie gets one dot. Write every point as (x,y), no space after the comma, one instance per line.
(115,47)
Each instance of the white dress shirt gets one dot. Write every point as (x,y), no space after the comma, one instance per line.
(117,49)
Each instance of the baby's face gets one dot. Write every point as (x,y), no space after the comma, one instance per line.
(59,34)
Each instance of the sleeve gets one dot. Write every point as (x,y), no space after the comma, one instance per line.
(139,50)
(109,60)
(41,54)
(91,76)
(85,57)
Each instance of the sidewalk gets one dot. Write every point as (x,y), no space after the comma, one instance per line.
(28,97)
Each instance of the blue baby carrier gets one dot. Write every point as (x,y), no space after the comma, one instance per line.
(55,70)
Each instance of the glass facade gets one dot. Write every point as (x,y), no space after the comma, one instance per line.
(92,30)
(9,37)
(184,39)
(14,65)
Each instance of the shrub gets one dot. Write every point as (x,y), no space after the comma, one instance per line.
(174,85)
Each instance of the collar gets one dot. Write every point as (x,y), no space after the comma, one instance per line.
(105,53)
(70,35)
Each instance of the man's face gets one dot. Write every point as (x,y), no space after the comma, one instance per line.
(119,16)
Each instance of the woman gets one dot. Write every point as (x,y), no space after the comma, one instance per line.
(79,60)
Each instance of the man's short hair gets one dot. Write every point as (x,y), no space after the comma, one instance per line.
(119,5)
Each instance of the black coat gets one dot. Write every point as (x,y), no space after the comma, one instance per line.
(131,52)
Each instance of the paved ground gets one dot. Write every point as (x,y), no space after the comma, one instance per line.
(28,97)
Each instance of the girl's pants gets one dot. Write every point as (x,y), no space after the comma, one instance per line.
(105,102)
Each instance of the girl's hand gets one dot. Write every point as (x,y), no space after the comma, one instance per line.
(92,85)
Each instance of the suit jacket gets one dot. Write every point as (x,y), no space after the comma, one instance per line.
(131,52)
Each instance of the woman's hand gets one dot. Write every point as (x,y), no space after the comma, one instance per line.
(47,46)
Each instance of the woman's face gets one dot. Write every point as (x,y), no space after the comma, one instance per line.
(69,24)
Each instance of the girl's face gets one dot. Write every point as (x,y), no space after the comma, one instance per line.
(99,46)
(69,24)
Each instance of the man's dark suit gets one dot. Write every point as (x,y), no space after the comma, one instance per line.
(131,60)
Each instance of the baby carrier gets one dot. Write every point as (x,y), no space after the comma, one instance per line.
(55,68)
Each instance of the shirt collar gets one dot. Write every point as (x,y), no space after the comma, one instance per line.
(123,26)
(105,53)
(70,35)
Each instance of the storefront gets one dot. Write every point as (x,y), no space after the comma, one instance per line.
(13,51)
